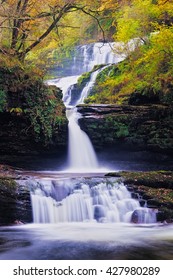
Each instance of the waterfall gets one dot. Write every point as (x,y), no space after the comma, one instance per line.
(66,84)
(79,201)
(87,56)
(85,199)
(81,155)
(87,89)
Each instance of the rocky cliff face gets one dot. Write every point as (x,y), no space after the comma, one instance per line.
(32,114)
(15,202)
(145,127)
(15,205)
(16,137)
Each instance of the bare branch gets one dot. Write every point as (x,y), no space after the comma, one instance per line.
(97,20)
(68,26)
(68,7)
(20,22)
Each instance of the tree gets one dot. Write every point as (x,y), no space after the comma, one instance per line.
(26,24)
(148,70)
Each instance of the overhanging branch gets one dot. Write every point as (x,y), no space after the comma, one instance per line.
(55,14)
(97,20)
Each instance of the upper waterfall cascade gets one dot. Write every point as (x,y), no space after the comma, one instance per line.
(95,54)
(81,155)
(85,57)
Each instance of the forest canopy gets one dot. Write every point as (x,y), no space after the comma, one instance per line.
(33,34)
(31,31)
(36,26)
(148,70)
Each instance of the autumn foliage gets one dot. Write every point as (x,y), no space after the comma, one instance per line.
(31,31)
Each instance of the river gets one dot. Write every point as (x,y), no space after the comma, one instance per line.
(83,241)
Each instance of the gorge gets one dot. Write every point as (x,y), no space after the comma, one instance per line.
(77,198)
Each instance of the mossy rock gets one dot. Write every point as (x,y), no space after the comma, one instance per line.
(30,110)
(15,202)
(83,79)
(8,184)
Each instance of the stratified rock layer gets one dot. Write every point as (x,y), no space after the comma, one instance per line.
(145,127)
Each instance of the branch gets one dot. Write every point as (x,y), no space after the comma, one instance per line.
(3,51)
(56,13)
(62,12)
(7,27)
(161,4)
(28,18)
(68,26)
(98,22)
(2,22)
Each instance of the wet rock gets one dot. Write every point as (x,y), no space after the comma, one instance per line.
(135,195)
(144,215)
(32,115)
(99,212)
(60,190)
(16,137)
(15,203)
(154,187)
(153,203)
(142,202)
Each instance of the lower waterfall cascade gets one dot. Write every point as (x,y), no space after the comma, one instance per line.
(84,200)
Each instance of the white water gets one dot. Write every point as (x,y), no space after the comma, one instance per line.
(55,201)
(87,56)
(77,201)
(82,156)
(66,84)
(88,241)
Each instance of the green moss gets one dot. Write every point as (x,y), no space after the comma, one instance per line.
(8,183)
(122,130)
(83,79)
(155,179)
(3,100)
(119,126)
(28,96)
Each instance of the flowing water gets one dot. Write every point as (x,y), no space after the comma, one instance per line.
(85,216)
(81,154)
(86,200)
(86,241)
(85,57)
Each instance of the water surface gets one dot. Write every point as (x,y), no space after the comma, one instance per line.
(86,241)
